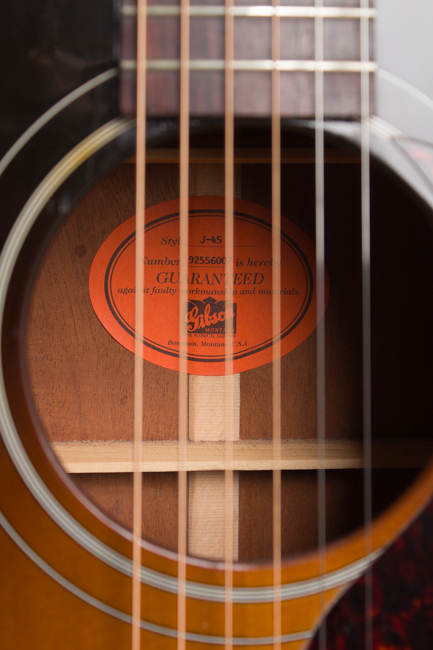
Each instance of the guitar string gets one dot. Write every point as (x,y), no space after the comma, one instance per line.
(229,151)
(320,308)
(229,398)
(183,361)
(139,328)
(276,327)
(140,198)
(366,319)
(115,613)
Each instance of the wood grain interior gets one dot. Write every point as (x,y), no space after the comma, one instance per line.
(81,379)
(299,517)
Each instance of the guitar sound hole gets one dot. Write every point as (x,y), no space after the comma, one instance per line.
(81,379)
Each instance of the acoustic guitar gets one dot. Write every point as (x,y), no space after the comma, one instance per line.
(229,447)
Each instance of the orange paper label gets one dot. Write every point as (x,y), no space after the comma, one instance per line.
(219,312)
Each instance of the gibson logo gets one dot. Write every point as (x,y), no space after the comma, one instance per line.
(210,316)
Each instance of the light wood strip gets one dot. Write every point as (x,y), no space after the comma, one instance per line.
(207,422)
(248,455)
(206,509)
(207,407)
(206,514)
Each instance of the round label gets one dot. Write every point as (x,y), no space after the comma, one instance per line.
(219,312)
